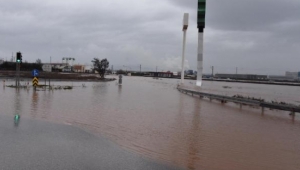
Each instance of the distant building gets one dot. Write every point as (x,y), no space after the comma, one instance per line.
(1,61)
(292,75)
(242,76)
(56,67)
(67,69)
(88,69)
(175,74)
(79,68)
(161,74)
(280,78)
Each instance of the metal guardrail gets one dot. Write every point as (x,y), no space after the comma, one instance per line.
(241,101)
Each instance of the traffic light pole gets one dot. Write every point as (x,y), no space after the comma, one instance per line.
(201,26)
(18,65)
(17,75)
(200,59)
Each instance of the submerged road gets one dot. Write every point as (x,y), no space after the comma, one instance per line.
(35,144)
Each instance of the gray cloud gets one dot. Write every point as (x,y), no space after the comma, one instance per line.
(258,36)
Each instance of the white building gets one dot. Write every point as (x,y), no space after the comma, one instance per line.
(293,75)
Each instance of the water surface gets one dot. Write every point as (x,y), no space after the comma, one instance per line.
(152,118)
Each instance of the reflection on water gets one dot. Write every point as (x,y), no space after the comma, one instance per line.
(17,107)
(34,103)
(17,102)
(193,138)
(150,117)
(120,90)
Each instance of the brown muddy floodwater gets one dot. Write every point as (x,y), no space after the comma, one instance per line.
(150,117)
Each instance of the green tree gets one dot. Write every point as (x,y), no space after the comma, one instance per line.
(100,66)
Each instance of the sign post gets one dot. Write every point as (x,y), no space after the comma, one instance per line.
(35,80)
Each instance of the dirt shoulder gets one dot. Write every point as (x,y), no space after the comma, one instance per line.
(55,75)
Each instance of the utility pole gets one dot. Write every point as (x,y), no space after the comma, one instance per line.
(156,68)
(140,68)
(236,72)
(212,71)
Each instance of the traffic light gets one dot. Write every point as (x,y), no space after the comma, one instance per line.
(19,57)
(201,15)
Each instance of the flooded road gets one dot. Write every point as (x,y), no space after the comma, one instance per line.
(150,117)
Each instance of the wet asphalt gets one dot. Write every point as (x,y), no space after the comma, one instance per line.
(41,145)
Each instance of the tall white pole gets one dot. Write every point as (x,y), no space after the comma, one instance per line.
(183,57)
(184,28)
(200,59)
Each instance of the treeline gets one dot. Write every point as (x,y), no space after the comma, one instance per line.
(11,66)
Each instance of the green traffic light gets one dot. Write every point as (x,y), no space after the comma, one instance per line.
(18,61)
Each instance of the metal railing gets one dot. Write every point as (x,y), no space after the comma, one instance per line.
(243,101)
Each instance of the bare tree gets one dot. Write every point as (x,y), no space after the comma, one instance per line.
(100,66)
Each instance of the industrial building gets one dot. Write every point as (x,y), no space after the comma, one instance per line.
(242,76)
(280,78)
(161,74)
(293,75)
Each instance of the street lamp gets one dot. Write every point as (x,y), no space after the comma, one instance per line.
(184,28)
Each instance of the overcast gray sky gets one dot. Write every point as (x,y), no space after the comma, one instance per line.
(257,36)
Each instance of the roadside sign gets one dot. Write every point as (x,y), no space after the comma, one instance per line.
(35,73)
(35,81)
(47,67)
